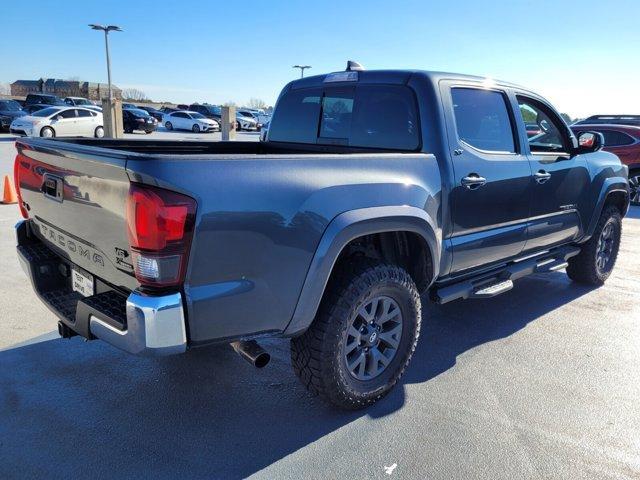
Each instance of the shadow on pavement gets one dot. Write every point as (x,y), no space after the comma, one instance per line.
(68,408)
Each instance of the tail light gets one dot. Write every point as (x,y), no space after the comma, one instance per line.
(160,227)
(16,181)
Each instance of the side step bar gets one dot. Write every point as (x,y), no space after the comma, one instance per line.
(501,280)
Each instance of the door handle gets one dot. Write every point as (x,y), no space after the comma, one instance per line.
(541,176)
(473,181)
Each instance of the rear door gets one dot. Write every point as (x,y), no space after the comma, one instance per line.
(491,190)
(86,123)
(561,179)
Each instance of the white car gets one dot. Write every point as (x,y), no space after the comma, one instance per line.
(60,122)
(186,120)
(246,122)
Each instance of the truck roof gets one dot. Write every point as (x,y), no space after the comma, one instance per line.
(396,77)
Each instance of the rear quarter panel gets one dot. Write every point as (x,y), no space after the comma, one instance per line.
(260,219)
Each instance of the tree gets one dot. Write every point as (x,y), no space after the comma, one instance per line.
(229,103)
(256,103)
(5,89)
(134,95)
(566,118)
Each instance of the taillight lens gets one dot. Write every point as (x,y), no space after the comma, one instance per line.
(160,227)
(16,181)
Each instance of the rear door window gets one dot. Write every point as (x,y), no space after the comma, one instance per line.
(84,113)
(613,138)
(482,119)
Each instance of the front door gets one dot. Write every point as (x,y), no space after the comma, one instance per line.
(492,177)
(561,178)
(64,122)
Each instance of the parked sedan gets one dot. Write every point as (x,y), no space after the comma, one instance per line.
(186,120)
(624,141)
(44,99)
(157,114)
(9,111)
(60,122)
(137,119)
(247,122)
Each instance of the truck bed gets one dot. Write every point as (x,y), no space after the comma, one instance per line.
(261,211)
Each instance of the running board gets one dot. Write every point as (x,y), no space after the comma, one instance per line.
(500,280)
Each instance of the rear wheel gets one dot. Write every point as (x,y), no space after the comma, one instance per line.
(47,132)
(597,257)
(634,184)
(168,126)
(99,132)
(363,336)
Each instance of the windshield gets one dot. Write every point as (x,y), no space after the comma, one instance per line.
(45,112)
(197,115)
(82,101)
(9,105)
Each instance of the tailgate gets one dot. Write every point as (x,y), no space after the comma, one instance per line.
(75,196)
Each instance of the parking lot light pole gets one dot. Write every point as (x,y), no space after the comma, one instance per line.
(302,69)
(106,30)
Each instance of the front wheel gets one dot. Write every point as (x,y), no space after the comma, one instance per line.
(597,257)
(195,128)
(99,132)
(363,336)
(47,132)
(168,126)
(634,187)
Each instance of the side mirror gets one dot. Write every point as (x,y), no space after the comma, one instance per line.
(589,142)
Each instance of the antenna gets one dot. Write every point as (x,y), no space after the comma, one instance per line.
(353,66)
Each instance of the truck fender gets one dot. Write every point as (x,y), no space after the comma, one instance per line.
(609,186)
(343,229)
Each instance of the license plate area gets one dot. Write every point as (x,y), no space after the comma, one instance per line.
(82,282)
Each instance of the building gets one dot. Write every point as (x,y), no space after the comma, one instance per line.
(64,88)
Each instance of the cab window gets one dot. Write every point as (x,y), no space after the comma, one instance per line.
(553,136)
(483,120)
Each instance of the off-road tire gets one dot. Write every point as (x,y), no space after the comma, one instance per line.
(583,268)
(317,355)
(634,184)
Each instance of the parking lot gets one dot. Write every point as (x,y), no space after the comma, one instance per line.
(541,382)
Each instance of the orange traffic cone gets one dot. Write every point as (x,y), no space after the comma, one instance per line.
(9,191)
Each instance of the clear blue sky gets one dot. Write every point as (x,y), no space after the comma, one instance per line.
(582,55)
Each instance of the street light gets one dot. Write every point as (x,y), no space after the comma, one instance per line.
(302,69)
(106,30)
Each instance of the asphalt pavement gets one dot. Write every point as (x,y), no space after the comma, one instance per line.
(541,382)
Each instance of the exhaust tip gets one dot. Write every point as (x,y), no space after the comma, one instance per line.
(252,352)
(262,360)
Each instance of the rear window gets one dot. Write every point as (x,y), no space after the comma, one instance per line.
(296,118)
(369,116)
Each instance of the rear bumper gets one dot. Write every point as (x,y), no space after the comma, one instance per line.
(138,324)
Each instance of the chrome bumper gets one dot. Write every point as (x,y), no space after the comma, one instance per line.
(155,326)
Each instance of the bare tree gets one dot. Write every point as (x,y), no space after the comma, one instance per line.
(133,94)
(5,89)
(74,78)
(256,103)
(229,103)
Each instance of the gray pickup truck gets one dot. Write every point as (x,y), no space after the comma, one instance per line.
(374,191)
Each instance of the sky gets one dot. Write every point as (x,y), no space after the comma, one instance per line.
(581,55)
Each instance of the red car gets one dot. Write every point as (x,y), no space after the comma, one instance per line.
(624,141)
